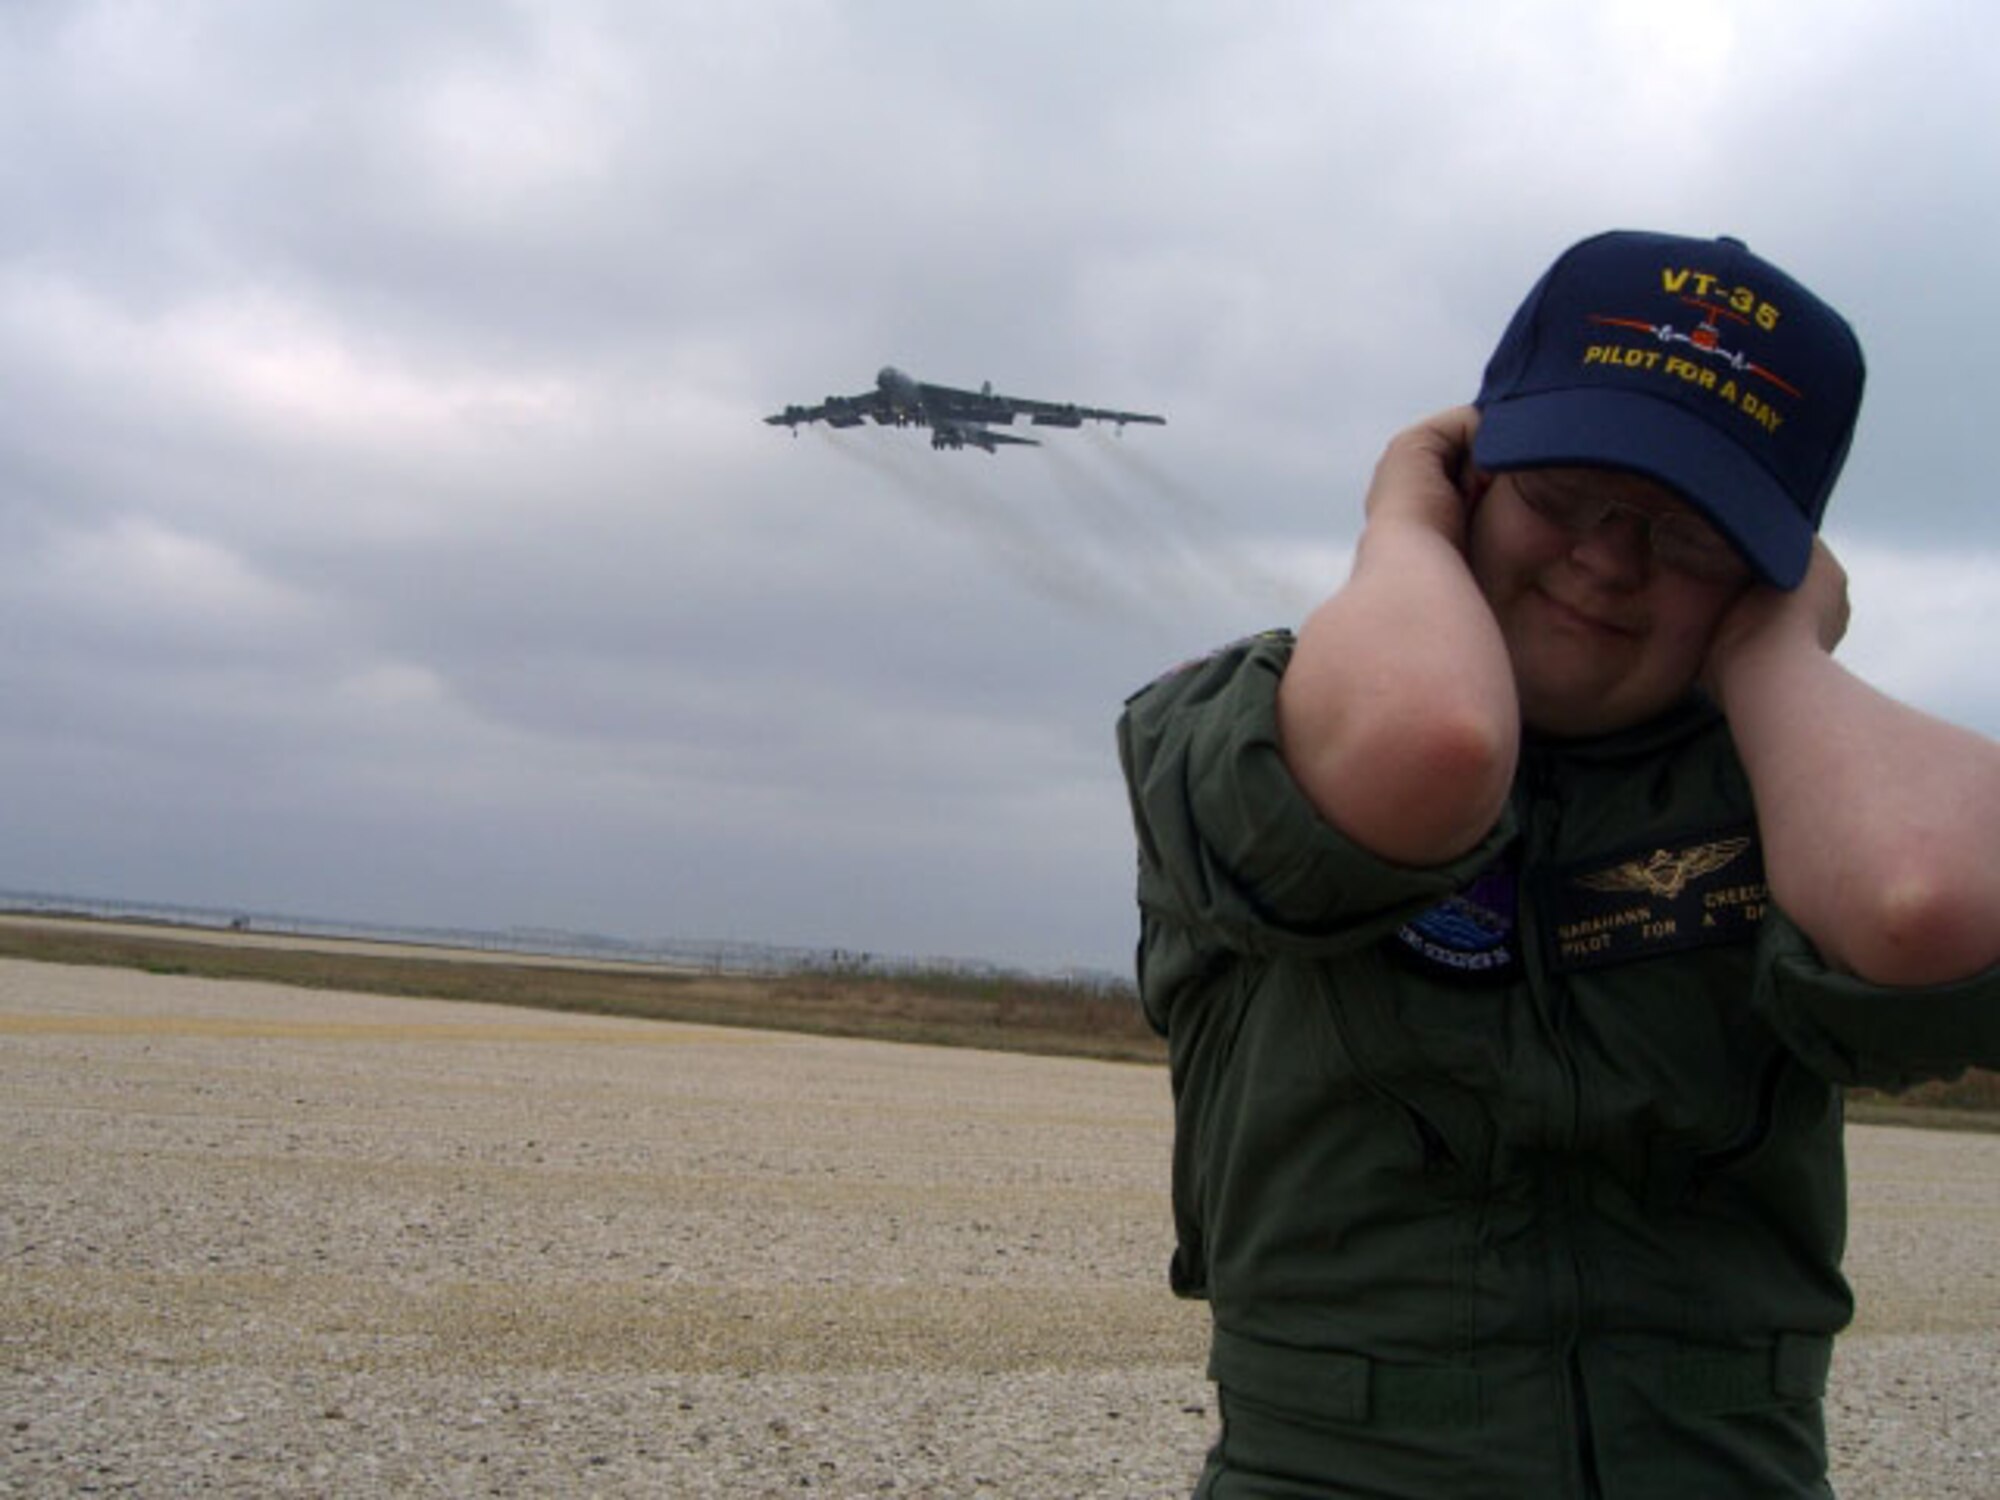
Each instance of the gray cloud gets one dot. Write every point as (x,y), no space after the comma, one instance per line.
(386,529)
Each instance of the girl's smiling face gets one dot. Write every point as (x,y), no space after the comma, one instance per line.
(1607,613)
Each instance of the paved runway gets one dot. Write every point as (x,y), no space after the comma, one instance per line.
(264,1241)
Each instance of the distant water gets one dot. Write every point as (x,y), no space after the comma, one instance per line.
(731,956)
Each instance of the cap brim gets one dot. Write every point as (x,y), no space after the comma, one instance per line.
(1622,430)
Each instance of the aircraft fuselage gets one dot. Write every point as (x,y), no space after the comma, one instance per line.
(957,418)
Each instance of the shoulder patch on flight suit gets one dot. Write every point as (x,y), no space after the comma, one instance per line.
(1470,935)
(1657,899)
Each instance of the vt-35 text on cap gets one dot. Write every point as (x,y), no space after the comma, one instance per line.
(1693,362)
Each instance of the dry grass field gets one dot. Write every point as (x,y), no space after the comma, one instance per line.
(263,1239)
(1005,1013)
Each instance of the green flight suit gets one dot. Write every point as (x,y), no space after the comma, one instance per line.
(1517,1178)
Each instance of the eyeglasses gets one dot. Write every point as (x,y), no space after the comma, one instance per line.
(1675,540)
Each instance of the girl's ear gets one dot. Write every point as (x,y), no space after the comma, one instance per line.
(1476,483)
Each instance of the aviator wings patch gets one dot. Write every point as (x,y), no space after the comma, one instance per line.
(1658,901)
(1667,872)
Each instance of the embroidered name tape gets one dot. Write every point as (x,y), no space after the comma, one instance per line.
(1654,901)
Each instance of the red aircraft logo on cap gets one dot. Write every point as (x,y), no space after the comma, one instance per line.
(1705,337)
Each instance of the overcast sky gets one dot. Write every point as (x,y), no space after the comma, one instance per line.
(387,531)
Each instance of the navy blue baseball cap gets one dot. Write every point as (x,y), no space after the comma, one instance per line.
(1694,363)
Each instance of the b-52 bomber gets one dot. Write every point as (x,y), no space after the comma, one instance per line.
(956,418)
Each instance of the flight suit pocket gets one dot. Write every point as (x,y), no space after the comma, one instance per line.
(1439,1074)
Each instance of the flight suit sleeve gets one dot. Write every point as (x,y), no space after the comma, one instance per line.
(1230,850)
(1869,1035)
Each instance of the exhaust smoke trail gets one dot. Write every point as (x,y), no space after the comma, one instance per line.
(1127,541)
(1179,520)
(946,491)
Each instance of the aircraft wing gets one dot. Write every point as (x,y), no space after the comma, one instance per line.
(988,406)
(837,411)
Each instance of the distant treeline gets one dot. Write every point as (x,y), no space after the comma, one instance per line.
(717,955)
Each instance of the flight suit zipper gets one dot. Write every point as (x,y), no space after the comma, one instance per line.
(1562,1194)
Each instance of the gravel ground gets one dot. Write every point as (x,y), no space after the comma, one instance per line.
(264,1241)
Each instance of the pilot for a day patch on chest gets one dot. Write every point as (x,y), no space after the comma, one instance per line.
(1656,900)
